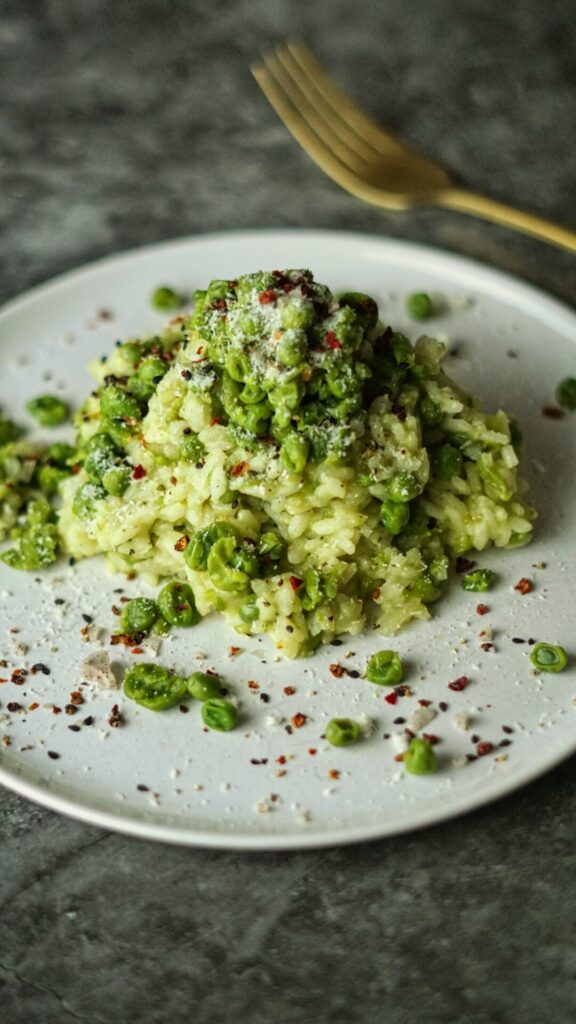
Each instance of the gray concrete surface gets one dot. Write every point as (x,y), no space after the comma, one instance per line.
(129,122)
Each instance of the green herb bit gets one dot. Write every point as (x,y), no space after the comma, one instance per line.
(566,393)
(478,581)
(342,732)
(177,605)
(36,541)
(549,658)
(203,686)
(420,758)
(219,714)
(154,687)
(419,306)
(165,298)
(138,615)
(48,410)
(385,669)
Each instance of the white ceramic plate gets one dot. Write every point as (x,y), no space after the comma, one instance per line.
(511,345)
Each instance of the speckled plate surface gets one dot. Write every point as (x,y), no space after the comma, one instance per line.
(269,785)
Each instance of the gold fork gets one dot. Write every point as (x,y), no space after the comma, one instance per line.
(365,159)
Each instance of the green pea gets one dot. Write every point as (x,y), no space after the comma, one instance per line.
(342,732)
(100,456)
(116,404)
(48,410)
(292,349)
(151,371)
(364,306)
(131,352)
(566,393)
(165,298)
(50,477)
(251,324)
(154,687)
(287,396)
(403,487)
(191,448)
(138,615)
(217,289)
(419,306)
(177,605)
(420,758)
(160,627)
(385,669)
(478,581)
(196,554)
(220,570)
(271,545)
(294,453)
(219,714)
(249,611)
(297,313)
(246,559)
(58,454)
(9,431)
(203,686)
(116,480)
(86,499)
(549,658)
(430,412)
(446,462)
(394,516)
(425,588)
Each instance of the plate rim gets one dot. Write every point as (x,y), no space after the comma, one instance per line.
(547,306)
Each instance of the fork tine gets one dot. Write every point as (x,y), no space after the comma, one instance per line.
(340,105)
(279,69)
(329,122)
(301,130)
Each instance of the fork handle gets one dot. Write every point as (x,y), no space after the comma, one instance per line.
(499,213)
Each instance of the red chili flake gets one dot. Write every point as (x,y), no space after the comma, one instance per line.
(552,412)
(331,341)
(240,469)
(375,593)
(481,609)
(431,737)
(337,670)
(70,709)
(56,710)
(268,295)
(75,468)
(182,543)
(298,720)
(400,413)
(524,586)
(459,684)
(214,421)
(333,773)
(399,757)
(464,564)
(186,374)
(116,610)
(115,718)
(295,582)
(281,759)
(391,698)
(234,651)
(136,650)
(312,751)
(487,646)
(289,691)
(484,748)
(218,304)
(173,481)
(253,685)
(18,676)
(424,703)
(32,707)
(138,472)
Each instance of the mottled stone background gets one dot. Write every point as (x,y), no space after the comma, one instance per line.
(127,122)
